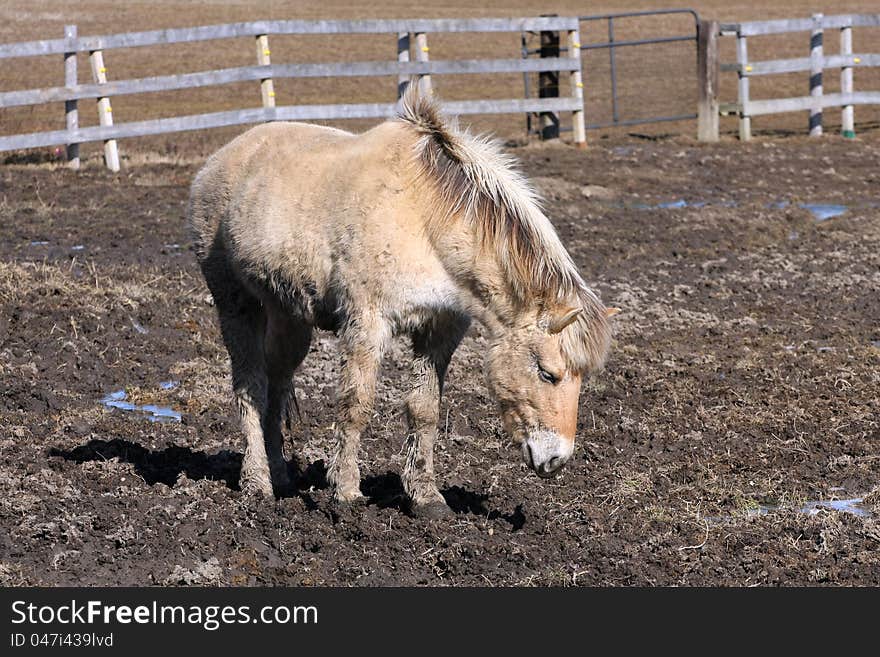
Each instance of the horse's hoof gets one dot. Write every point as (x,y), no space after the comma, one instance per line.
(254,491)
(431,510)
(350,499)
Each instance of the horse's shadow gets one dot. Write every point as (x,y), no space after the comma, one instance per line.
(161,466)
(386,491)
(164,466)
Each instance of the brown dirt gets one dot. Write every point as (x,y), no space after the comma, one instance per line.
(744,375)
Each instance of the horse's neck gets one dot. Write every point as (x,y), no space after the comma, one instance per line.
(479,275)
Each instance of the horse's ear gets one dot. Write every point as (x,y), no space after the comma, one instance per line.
(563,319)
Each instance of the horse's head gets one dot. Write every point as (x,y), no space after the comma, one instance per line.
(535,370)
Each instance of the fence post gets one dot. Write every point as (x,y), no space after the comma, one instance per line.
(422,56)
(742,58)
(577,90)
(816,65)
(548,85)
(527,85)
(71,113)
(402,56)
(847,120)
(105,116)
(707,75)
(267,86)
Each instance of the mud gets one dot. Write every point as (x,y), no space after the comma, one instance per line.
(742,387)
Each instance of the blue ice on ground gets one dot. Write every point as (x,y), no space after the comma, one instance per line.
(845,506)
(851,506)
(139,327)
(820,211)
(39,243)
(169,385)
(824,211)
(682,203)
(119,399)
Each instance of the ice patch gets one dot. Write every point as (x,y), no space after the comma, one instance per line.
(119,400)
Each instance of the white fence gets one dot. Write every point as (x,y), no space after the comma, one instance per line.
(817,63)
(265,71)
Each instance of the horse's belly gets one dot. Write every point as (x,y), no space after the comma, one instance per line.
(420,299)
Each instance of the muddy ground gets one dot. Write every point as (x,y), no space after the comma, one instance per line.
(742,387)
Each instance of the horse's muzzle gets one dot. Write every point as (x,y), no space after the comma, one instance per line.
(546,452)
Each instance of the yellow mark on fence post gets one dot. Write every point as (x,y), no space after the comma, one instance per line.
(422,56)
(105,112)
(267,86)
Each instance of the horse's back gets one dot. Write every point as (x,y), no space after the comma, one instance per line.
(297,206)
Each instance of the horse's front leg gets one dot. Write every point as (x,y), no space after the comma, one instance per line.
(363,354)
(432,351)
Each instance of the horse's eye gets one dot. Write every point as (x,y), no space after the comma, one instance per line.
(546,377)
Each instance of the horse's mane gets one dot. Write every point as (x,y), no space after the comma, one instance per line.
(477,182)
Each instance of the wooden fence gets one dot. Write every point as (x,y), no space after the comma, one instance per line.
(816,64)
(264,71)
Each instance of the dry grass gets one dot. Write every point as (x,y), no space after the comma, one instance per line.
(653,80)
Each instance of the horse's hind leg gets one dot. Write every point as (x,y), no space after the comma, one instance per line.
(242,323)
(433,347)
(286,345)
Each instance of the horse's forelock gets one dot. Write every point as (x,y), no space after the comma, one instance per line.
(586,341)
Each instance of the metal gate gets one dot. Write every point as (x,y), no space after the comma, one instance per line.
(547,124)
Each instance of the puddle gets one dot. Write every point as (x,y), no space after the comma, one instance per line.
(679,204)
(682,203)
(820,211)
(846,506)
(153,413)
(823,212)
(75,247)
(852,506)
(139,327)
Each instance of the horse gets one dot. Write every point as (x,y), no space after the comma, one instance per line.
(414,227)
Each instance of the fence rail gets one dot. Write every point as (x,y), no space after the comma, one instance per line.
(258,28)
(264,72)
(816,64)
